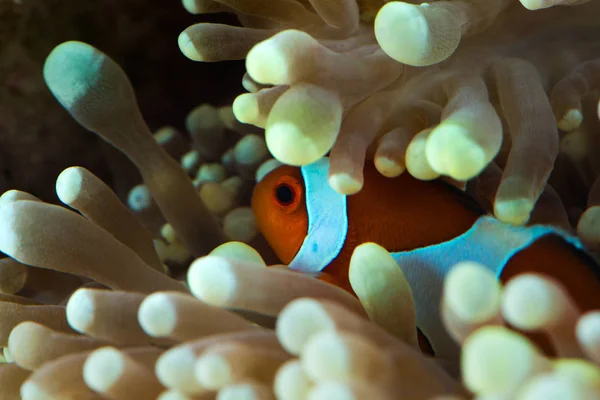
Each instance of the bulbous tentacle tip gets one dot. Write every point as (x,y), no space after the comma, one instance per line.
(70,71)
(417,35)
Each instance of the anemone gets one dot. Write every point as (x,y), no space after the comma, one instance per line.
(438,89)
(96,301)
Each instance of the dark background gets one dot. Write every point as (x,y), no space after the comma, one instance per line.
(38,139)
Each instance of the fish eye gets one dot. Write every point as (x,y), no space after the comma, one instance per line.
(285,194)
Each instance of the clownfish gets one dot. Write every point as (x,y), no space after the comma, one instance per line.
(427,226)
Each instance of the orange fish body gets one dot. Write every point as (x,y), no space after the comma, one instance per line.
(410,218)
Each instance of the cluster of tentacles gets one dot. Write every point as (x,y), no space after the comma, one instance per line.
(445,88)
(487,92)
(223,159)
(117,326)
